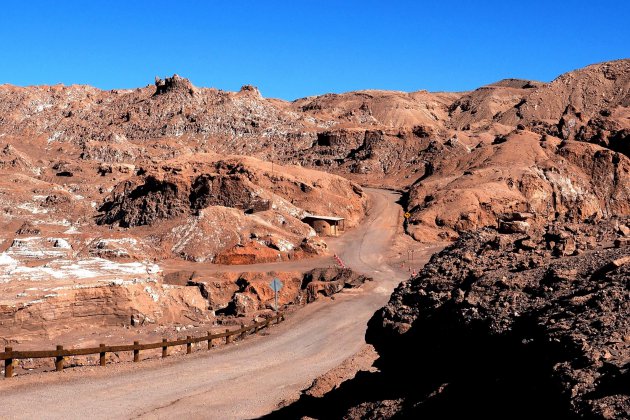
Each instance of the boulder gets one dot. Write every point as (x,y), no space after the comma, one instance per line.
(516,226)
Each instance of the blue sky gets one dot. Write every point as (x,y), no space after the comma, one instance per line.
(291,49)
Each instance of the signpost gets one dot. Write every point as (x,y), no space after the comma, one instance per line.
(276,285)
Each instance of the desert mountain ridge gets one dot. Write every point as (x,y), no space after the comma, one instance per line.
(511,146)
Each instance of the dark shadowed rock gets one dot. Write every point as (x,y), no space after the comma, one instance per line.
(481,333)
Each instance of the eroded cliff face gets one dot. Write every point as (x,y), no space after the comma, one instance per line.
(104,306)
(117,307)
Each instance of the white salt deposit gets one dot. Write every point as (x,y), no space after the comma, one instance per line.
(30,207)
(91,268)
(6,260)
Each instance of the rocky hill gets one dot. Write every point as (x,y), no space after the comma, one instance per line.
(205,207)
(501,325)
(540,322)
(489,151)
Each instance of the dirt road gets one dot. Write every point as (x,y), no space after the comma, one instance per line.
(244,380)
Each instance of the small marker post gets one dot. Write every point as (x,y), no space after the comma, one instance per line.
(276,285)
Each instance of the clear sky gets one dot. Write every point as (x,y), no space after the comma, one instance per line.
(291,49)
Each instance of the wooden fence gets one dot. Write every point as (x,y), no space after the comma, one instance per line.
(10,356)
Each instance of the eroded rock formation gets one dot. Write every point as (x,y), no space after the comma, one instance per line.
(501,325)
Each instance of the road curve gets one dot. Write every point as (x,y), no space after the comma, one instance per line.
(244,380)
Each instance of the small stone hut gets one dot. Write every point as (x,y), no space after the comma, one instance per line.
(325,225)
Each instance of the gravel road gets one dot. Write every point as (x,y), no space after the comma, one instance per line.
(243,380)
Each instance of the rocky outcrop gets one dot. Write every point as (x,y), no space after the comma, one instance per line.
(484,104)
(173,84)
(502,321)
(328,281)
(186,187)
(546,177)
(242,294)
(231,210)
(590,104)
(500,325)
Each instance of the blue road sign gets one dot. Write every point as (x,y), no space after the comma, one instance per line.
(276,284)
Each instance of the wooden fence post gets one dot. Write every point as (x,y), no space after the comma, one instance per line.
(228,338)
(102,355)
(164,347)
(59,360)
(188,345)
(8,364)
(209,341)
(136,352)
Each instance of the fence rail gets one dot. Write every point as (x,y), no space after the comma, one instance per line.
(11,356)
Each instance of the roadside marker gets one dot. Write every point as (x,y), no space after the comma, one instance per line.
(276,285)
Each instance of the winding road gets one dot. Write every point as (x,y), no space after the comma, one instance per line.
(244,380)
